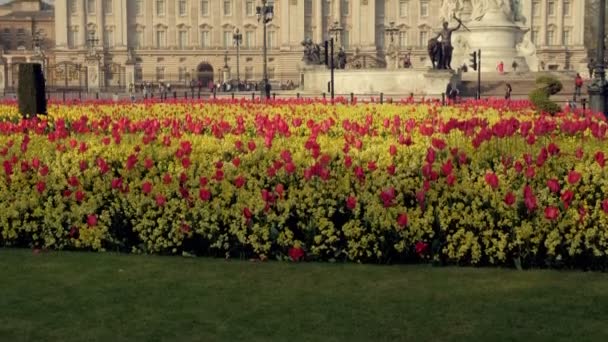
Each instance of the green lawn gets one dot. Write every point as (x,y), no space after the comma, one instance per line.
(109,297)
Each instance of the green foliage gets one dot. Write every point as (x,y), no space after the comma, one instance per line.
(540,97)
(31,93)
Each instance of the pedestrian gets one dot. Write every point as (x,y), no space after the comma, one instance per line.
(145,91)
(578,86)
(268,88)
(501,67)
(508,91)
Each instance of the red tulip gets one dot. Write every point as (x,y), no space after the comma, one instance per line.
(219,175)
(553,185)
(236,162)
(279,189)
(421,247)
(66,193)
(186,162)
(492,180)
(35,163)
(73,181)
(116,183)
(351,202)
(551,213)
(290,168)
(203,181)
(390,169)
(92,220)
(251,145)
(509,199)
(239,182)
(204,194)
(148,163)
(579,153)
(573,177)
(430,156)
(438,143)
(84,165)
(447,168)
(402,220)
(247,213)
(167,178)
(146,188)
(387,196)
(371,166)
(450,180)
(530,172)
(79,195)
(348,161)
(160,200)
(605,206)
(567,197)
(600,159)
(40,187)
(44,170)
(392,150)
(582,212)
(296,253)
(219,164)
(518,167)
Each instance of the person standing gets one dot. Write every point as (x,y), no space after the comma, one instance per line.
(578,86)
(508,91)
(501,67)
(590,67)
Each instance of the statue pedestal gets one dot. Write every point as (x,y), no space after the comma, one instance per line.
(374,81)
(94,79)
(497,37)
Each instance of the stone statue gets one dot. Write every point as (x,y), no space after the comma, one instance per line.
(449,8)
(446,44)
(481,7)
(341,58)
(435,53)
(312,52)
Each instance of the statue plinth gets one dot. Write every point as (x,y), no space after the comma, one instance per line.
(497,36)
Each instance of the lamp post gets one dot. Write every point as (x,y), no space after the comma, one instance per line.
(265,13)
(238,38)
(598,89)
(334,31)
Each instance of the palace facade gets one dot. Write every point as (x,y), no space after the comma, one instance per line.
(180,40)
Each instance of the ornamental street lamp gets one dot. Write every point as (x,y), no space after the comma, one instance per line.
(335,31)
(598,89)
(265,14)
(391,31)
(238,38)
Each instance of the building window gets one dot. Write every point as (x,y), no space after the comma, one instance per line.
(183,4)
(227,7)
(566,37)
(345,8)
(182,73)
(108,38)
(139,7)
(534,36)
(424,9)
(183,39)
(91,6)
(272,35)
(20,32)
(551,8)
(160,73)
(160,8)
(73,6)
(249,42)
(327,8)
(227,39)
(161,40)
(535,8)
(403,39)
(550,37)
(107,6)
(204,8)
(250,8)
(139,39)
(567,8)
(271,73)
(72,37)
(424,38)
(403,5)
(205,39)
(345,39)
(248,73)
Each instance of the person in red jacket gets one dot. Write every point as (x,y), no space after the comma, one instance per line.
(578,86)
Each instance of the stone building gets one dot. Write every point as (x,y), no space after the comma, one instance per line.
(180,40)
(27,34)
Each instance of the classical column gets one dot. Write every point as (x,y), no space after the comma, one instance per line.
(101,22)
(61,24)
(124,25)
(287,19)
(560,22)
(318,18)
(543,27)
(367,20)
(83,24)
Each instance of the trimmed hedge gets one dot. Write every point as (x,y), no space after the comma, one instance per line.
(32,93)
(540,97)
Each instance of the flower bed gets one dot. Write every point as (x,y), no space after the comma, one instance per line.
(468,184)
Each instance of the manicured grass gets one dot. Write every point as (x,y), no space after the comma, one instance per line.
(109,297)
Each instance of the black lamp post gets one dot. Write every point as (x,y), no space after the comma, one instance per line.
(238,38)
(265,15)
(598,89)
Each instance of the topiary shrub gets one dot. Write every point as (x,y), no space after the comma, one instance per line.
(540,97)
(31,92)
